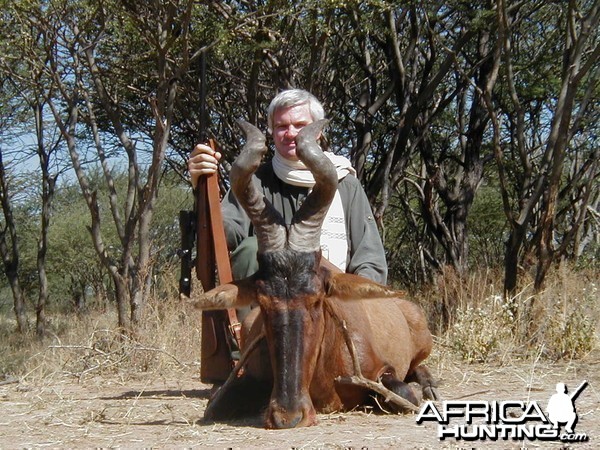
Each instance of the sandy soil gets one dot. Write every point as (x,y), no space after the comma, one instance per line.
(166,412)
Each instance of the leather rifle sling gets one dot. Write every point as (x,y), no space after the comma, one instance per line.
(212,257)
(220,249)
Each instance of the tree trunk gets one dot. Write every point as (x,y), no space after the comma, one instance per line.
(122,299)
(48,185)
(545,251)
(511,260)
(10,269)
(10,256)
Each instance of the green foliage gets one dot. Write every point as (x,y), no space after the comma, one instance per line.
(570,316)
(342,51)
(166,238)
(25,209)
(487,227)
(73,265)
(590,259)
(559,323)
(562,330)
(572,336)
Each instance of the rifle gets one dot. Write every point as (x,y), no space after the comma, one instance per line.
(220,329)
(578,390)
(187,229)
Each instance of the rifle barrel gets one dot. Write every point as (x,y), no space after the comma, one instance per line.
(579,389)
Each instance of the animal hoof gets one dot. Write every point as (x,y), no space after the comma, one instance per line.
(431,393)
(418,393)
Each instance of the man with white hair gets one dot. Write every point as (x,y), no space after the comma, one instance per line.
(349,238)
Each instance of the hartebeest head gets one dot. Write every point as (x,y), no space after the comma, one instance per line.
(290,285)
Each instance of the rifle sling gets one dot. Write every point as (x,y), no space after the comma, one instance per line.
(221,251)
(213,245)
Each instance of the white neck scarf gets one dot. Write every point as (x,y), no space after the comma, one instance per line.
(334,239)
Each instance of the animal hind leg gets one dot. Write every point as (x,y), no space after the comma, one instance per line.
(423,377)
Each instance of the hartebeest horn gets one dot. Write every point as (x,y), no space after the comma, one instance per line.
(268,223)
(305,231)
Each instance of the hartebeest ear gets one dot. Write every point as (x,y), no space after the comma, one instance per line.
(346,286)
(231,295)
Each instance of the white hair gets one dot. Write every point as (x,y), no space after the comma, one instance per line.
(295,97)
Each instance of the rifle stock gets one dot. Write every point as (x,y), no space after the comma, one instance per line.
(211,248)
(205,255)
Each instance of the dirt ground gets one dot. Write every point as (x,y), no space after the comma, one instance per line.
(144,411)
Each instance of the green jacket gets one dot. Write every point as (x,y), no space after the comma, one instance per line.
(366,253)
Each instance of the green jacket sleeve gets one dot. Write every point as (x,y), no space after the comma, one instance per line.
(235,221)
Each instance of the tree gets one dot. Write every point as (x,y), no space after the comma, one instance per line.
(417,121)
(76,274)
(9,250)
(411,89)
(27,83)
(532,169)
(85,97)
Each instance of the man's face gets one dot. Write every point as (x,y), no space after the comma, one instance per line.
(287,122)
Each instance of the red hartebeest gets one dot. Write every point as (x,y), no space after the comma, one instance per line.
(299,296)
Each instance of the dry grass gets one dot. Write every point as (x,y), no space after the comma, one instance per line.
(167,341)
(559,323)
(149,411)
(88,386)
(471,318)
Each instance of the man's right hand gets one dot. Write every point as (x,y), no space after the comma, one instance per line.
(202,161)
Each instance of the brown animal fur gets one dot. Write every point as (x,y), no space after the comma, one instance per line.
(389,332)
